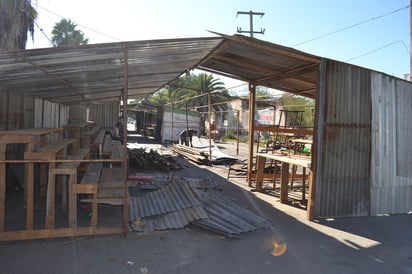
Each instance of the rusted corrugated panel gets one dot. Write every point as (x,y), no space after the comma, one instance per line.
(342,179)
(391,173)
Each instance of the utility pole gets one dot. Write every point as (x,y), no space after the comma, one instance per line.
(251,14)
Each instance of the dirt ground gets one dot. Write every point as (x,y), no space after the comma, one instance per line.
(376,244)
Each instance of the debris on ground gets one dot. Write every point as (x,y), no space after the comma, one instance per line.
(141,159)
(200,152)
(193,201)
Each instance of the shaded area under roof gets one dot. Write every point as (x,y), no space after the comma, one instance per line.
(95,73)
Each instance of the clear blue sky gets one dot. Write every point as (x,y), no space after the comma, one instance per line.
(375,35)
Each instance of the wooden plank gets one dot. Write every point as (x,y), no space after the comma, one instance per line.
(2,186)
(117,150)
(100,137)
(58,146)
(272,128)
(299,161)
(107,146)
(92,175)
(80,154)
(60,232)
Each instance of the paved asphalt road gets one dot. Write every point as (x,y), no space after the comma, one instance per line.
(377,244)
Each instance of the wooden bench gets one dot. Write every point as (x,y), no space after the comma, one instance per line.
(59,146)
(107,147)
(117,151)
(88,185)
(65,169)
(110,188)
(98,142)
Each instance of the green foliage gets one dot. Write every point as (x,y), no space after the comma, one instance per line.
(65,34)
(231,136)
(191,86)
(294,102)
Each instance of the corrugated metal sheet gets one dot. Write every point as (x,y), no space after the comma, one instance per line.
(184,201)
(342,179)
(173,206)
(228,217)
(95,73)
(171,197)
(171,220)
(391,154)
(105,115)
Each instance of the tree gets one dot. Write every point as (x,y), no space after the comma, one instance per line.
(16,20)
(190,86)
(65,34)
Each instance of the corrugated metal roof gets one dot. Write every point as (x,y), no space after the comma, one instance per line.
(95,73)
(265,64)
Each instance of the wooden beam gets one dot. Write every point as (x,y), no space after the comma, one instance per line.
(272,128)
(56,233)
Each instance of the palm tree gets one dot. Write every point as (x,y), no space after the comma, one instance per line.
(65,34)
(16,20)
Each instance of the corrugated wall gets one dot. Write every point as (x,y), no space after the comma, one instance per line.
(105,115)
(344,141)
(391,165)
(49,115)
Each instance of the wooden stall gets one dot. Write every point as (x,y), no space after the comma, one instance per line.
(59,158)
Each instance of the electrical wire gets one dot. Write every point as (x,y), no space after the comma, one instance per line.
(351,26)
(375,50)
(86,27)
(42,31)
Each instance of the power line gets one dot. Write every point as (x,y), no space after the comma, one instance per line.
(351,26)
(375,50)
(42,31)
(96,31)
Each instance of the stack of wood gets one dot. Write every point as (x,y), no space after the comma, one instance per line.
(193,154)
(140,159)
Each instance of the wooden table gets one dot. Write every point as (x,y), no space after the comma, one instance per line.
(33,139)
(285,162)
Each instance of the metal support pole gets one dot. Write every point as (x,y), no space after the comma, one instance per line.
(125,163)
(237,134)
(209,114)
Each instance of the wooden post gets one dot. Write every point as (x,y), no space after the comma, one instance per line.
(252,98)
(2,185)
(310,213)
(260,170)
(284,183)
